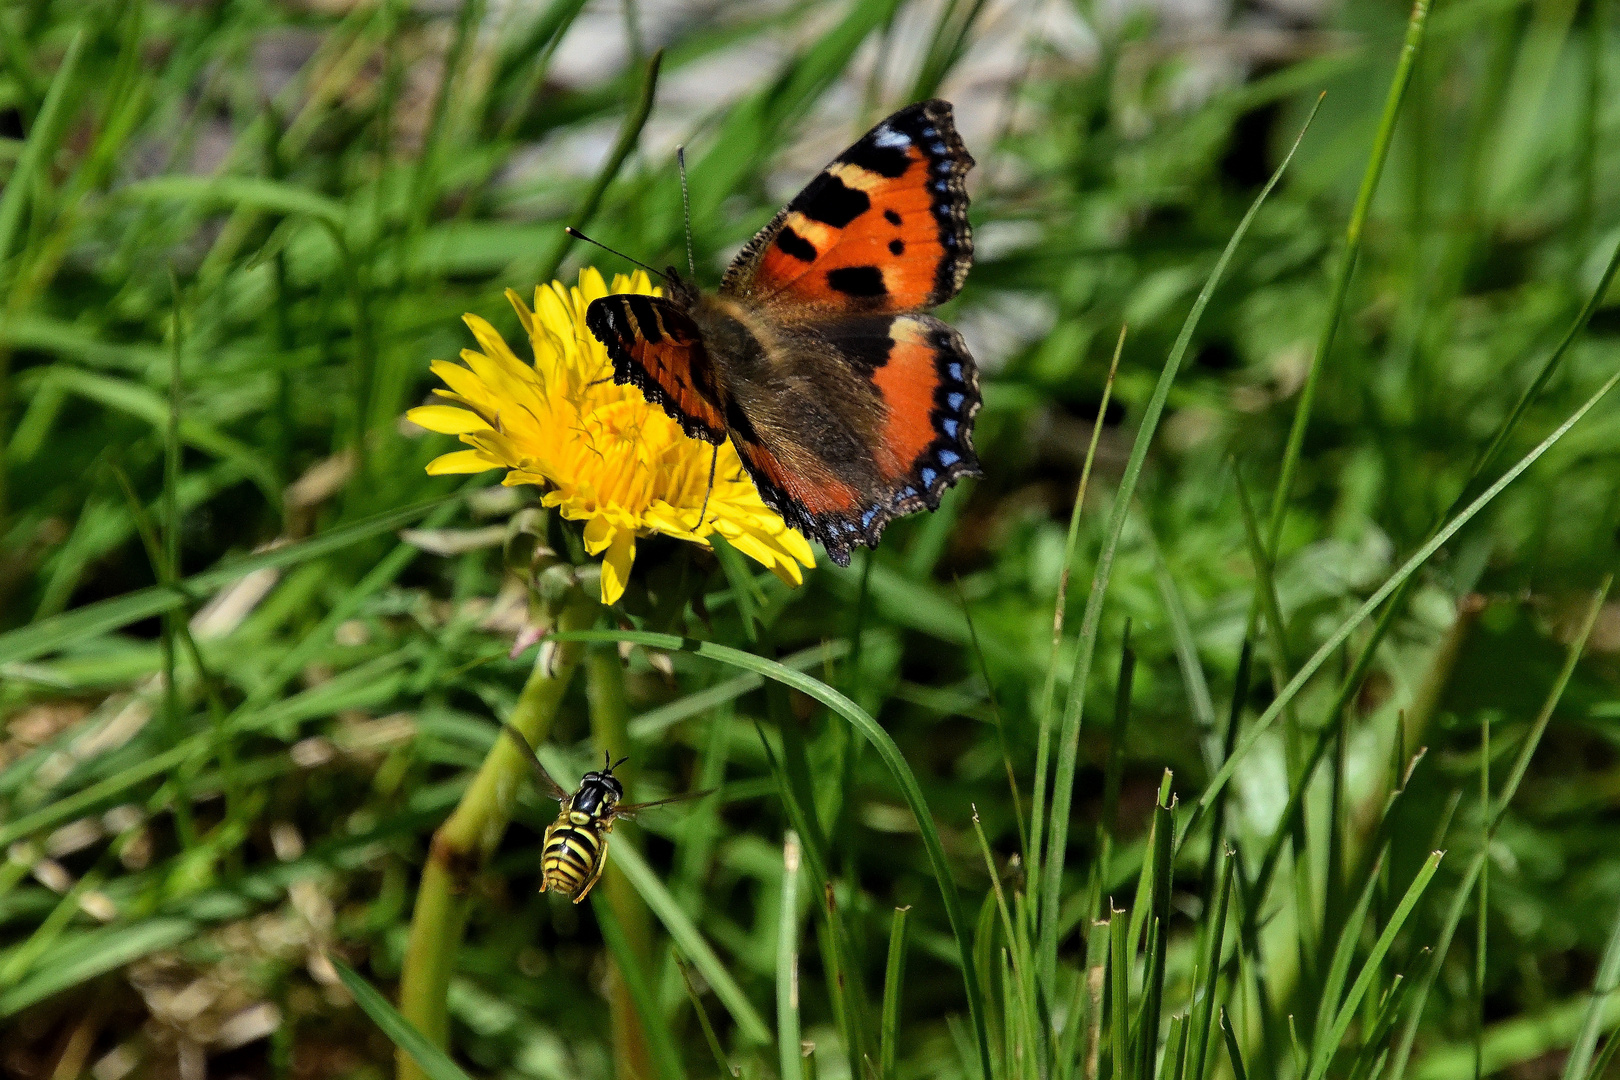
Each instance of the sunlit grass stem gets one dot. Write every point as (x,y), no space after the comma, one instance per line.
(462,844)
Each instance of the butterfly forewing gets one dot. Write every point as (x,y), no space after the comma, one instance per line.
(847,405)
(655,346)
(882,228)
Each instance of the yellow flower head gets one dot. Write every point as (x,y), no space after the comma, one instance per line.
(609,458)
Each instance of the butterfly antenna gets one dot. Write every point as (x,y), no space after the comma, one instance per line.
(577,235)
(686,210)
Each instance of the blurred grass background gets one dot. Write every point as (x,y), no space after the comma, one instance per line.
(235,704)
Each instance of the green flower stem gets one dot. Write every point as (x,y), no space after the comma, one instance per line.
(463,843)
(604,684)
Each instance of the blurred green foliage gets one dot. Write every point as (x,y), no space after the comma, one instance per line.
(233,234)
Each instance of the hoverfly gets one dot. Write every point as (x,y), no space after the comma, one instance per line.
(575,847)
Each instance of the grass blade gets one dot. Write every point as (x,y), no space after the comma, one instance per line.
(48,635)
(880,740)
(1069,736)
(1418,558)
(47,129)
(627,962)
(1521,764)
(1347,1013)
(788,1038)
(894,977)
(691,942)
(1043,745)
(1404,67)
(433,1061)
(1238,1071)
(1608,979)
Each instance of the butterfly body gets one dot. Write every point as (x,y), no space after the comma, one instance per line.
(847,404)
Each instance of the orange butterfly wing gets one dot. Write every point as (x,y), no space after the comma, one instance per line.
(916,371)
(883,228)
(654,345)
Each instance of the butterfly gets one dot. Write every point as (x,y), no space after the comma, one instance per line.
(848,405)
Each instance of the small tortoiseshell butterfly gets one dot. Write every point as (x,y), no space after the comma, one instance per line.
(848,406)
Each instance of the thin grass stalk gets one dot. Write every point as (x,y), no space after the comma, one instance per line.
(1020,1010)
(1603,987)
(1234,721)
(788,1039)
(1482,910)
(1368,649)
(1203,1011)
(1113,775)
(1098,941)
(1235,1054)
(1175,1048)
(996,717)
(630,978)
(1375,1047)
(1325,1047)
(1043,742)
(1164,832)
(1119,993)
(1600,1067)
(633,1051)
(702,1014)
(47,130)
(1415,26)
(1407,569)
(462,844)
(838,957)
(629,136)
(894,978)
(424,180)
(896,763)
(1332,988)
(1069,740)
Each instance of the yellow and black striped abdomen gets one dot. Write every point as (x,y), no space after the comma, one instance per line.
(572,858)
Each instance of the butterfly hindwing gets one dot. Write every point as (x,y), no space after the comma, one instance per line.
(882,229)
(910,391)
(655,346)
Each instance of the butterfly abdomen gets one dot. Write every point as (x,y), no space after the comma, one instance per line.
(571,859)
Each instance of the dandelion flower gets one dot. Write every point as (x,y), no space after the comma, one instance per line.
(605,455)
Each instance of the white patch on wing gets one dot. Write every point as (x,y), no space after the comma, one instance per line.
(886,136)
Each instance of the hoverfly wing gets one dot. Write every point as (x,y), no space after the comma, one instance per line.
(547,784)
(632,809)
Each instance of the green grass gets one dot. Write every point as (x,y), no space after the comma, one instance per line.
(1287,752)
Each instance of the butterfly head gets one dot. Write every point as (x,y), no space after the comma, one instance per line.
(681,290)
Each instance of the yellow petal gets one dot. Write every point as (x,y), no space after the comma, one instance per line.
(599,533)
(446,419)
(789,572)
(525,316)
(463,382)
(462,461)
(616,566)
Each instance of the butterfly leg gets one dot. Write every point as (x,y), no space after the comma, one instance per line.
(714,458)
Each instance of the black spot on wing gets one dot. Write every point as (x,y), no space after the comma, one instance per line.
(795,245)
(863,281)
(897,247)
(646,318)
(832,202)
(892,217)
(887,161)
